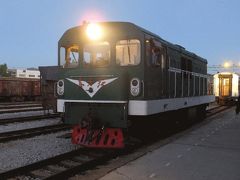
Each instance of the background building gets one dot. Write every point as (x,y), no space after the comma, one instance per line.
(25,73)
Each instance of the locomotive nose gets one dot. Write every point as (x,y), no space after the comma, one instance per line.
(111,87)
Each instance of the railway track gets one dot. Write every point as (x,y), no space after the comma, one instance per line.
(76,162)
(27,118)
(13,106)
(65,165)
(19,103)
(15,110)
(217,110)
(26,133)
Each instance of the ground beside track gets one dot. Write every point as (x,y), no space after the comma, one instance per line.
(30,124)
(211,151)
(175,155)
(26,151)
(43,153)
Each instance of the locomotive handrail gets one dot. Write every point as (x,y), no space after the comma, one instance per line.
(188,73)
(177,70)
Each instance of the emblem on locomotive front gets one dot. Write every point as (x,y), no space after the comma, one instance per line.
(91,89)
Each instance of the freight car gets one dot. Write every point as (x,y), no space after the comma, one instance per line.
(19,89)
(226,87)
(110,72)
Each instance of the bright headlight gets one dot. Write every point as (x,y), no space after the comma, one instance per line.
(135,86)
(94,31)
(60,87)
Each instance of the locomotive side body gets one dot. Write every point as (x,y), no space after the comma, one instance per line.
(128,71)
(226,87)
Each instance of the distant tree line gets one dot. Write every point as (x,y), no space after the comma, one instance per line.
(3,70)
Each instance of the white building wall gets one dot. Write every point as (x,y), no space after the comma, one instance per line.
(24,73)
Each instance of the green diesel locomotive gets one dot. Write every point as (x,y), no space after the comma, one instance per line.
(110,71)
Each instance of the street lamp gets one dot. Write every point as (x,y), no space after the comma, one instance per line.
(226,64)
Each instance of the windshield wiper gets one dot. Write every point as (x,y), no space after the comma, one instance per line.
(75,60)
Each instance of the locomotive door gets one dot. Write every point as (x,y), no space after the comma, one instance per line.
(156,55)
(225,86)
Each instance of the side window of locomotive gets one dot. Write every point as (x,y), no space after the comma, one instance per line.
(69,57)
(128,52)
(62,56)
(156,56)
(157,53)
(96,54)
(186,64)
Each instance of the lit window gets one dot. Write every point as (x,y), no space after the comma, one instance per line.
(96,54)
(128,52)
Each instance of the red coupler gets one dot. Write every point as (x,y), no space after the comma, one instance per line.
(97,138)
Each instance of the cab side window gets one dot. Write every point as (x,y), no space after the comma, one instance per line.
(157,53)
(72,56)
(69,56)
(128,52)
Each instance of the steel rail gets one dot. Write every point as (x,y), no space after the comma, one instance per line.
(21,103)
(19,106)
(28,118)
(26,133)
(21,110)
(217,110)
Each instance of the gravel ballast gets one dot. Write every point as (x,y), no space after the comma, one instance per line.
(26,151)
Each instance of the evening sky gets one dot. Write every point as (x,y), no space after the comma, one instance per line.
(30,29)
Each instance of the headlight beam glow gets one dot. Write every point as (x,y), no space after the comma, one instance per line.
(94,31)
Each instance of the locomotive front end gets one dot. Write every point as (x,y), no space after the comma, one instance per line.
(100,70)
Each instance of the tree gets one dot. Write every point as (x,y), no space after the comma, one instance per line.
(3,70)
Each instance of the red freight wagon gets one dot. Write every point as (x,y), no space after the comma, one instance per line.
(19,89)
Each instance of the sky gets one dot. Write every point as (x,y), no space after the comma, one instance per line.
(30,29)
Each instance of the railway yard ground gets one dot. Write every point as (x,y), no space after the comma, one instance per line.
(211,151)
(22,151)
(206,150)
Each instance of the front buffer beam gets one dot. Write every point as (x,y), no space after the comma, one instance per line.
(98,138)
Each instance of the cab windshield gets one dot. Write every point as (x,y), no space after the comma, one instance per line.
(96,54)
